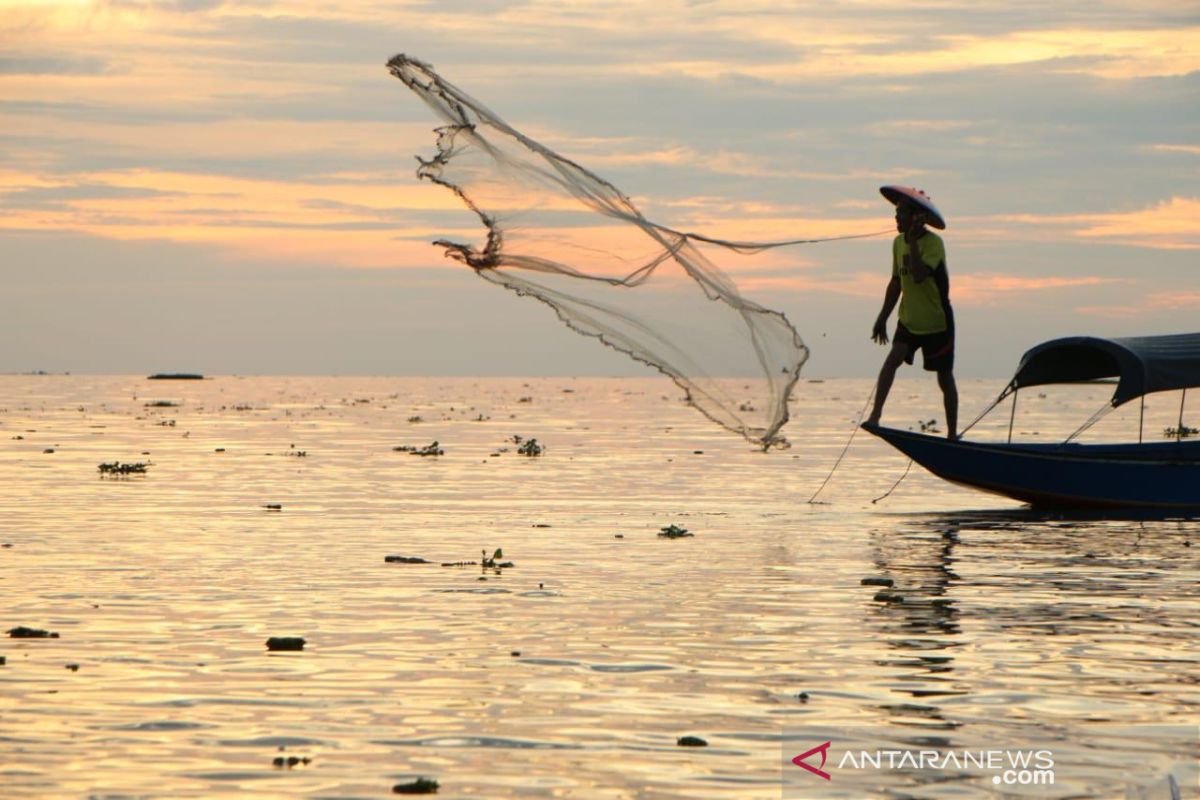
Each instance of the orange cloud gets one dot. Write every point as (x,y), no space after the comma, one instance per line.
(971,289)
(1174,300)
(1191,149)
(349,224)
(992,289)
(1115,54)
(1173,224)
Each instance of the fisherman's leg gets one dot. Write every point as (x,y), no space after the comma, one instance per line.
(949,389)
(887,373)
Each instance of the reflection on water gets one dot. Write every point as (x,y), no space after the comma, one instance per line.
(574,672)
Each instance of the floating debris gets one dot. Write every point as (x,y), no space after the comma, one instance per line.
(118,468)
(928,427)
(674,532)
(415,419)
(419,786)
(277,643)
(877,582)
(1182,432)
(888,597)
(691,741)
(21,632)
(48,450)
(273,507)
(162,404)
(72,667)
(433,449)
(494,563)
(291,761)
(531,448)
(405,560)
(175,376)
(802,697)
(3,660)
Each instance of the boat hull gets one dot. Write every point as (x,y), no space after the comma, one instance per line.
(1160,475)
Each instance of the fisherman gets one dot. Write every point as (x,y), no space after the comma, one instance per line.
(926,321)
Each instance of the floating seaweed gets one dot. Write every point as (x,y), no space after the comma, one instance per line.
(674,532)
(22,632)
(419,786)
(1182,432)
(493,563)
(285,643)
(118,468)
(433,449)
(531,448)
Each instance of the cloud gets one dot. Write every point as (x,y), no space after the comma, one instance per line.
(990,289)
(53,65)
(1172,224)
(1183,298)
(347,224)
(1190,149)
(1154,308)
(44,197)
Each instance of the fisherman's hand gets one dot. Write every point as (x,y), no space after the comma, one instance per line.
(879,332)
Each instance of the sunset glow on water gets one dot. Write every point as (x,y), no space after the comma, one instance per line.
(573,673)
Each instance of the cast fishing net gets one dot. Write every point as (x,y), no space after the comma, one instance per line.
(561,234)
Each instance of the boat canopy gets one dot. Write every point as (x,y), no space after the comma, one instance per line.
(1141,364)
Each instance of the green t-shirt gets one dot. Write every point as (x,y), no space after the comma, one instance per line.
(924,306)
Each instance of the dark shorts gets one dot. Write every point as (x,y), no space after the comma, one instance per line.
(937,348)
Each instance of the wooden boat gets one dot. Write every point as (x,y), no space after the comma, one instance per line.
(1159,475)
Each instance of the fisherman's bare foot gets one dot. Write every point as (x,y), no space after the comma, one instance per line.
(952,436)
(872,422)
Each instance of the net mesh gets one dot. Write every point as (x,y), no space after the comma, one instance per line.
(556,232)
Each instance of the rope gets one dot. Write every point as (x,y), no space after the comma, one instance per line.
(894,485)
(836,464)
(1007,391)
(1092,420)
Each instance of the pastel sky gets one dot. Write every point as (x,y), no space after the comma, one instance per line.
(227,187)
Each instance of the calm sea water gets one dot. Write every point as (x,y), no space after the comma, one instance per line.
(572,673)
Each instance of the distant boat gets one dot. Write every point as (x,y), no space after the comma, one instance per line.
(175,376)
(1162,475)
